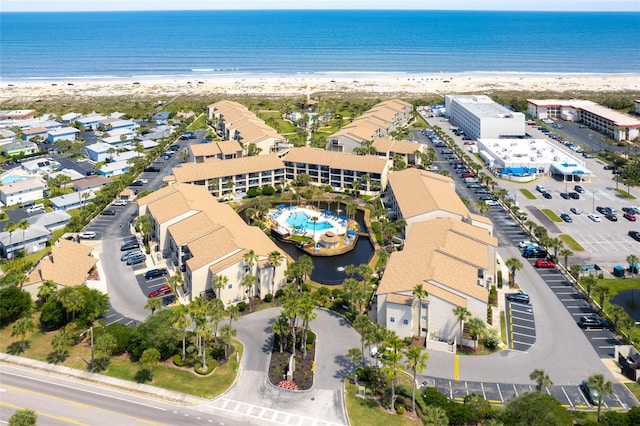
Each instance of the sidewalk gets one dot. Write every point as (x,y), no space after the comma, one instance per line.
(99,378)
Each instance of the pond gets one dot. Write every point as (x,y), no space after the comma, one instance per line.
(630,301)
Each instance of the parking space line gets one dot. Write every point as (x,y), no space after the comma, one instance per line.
(500,392)
(525,319)
(524,326)
(515,390)
(484,394)
(450,391)
(624,407)
(566,396)
(522,312)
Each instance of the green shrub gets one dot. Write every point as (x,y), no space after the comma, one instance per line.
(306,288)
(178,362)
(122,334)
(311,337)
(336,292)
(489,315)
(279,293)
(493,296)
(499,279)
(268,190)
(252,193)
(491,338)
(407,340)
(268,297)
(13,304)
(242,306)
(211,365)
(399,408)
(324,291)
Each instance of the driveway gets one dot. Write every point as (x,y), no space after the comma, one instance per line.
(253,394)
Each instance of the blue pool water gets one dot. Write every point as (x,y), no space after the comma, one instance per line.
(11,179)
(301,220)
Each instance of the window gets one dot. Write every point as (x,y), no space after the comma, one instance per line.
(405,322)
(230,286)
(392,319)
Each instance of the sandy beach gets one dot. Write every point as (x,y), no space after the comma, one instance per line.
(297,85)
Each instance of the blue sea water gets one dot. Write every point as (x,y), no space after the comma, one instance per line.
(201,43)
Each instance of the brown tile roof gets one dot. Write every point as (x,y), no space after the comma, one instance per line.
(337,160)
(210,247)
(204,149)
(191,228)
(223,264)
(400,299)
(480,218)
(35,131)
(214,168)
(418,192)
(387,145)
(68,264)
(90,182)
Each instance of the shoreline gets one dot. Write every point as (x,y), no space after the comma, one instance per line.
(306,84)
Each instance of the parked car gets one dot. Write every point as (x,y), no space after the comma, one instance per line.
(635,235)
(87,235)
(544,263)
(119,203)
(90,173)
(136,259)
(566,217)
(565,195)
(603,210)
(526,243)
(130,253)
(592,321)
(130,245)
(481,191)
(612,217)
(155,273)
(594,217)
(546,195)
(519,297)
(608,167)
(574,195)
(108,212)
(534,253)
(152,169)
(137,182)
(161,291)
(579,189)
(630,217)
(590,392)
(575,210)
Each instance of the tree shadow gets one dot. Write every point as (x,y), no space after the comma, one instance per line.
(56,357)
(345,366)
(142,376)
(17,348)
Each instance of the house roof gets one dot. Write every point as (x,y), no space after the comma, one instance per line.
(337,160)
(99,147)
(400,299)
(215,148)
(418,192)
(72,198)
(214,245)
(22,185)
(17,144)
(50,218)
(387,145)
(68,264)
(35,131)
(188,229)
(64,131)
(213,168)
(90,182)
(114,166)
(18,236)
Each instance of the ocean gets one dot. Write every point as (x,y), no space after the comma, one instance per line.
(205,43)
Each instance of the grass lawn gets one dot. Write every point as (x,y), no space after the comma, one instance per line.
(551,215)
(528,194)
(634,388)
(625,194)
(616,285)
(503,327)
(367,412)
(573,244)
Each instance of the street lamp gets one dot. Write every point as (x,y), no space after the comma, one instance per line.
(90,330)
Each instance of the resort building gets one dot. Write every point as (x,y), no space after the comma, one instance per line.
(368,173)
(234,121)
(525,159)
(233,177)
(205,239)
(378,122)
(21,191)
(616,125)
(447,249)
(390,148)
(480,117)
(220,150)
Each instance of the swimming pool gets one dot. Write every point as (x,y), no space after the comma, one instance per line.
(301,220)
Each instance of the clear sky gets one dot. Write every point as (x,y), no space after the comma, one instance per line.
(537,5)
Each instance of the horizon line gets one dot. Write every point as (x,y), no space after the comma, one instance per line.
(321,9)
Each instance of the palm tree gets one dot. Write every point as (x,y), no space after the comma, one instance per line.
(482,207)
(366,273)
(281,329)
(476,328)
(530,225)
(462,314)
(556,244)
(153,303)
(603,386)
(627,324)
(175,281)
(248,281)
(419,293)
(350,270)
(587,281)
(364,325)
(416,361)
(250,258)
(72,300)
(21,328)
(514,265)
(601,292)
(616,312)
(150,358)
(180,320)
(24,225)
(391,363)
(145,225)
(61,342)
(275,258)
(219,282)
(47,289)
(11,227)
(565,252)
(541,378)
(233,311)
(632,260)
(226,334)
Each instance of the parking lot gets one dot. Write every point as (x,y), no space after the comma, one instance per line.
(570,396)
(521,329)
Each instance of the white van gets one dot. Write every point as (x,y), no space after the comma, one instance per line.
(35,208)
(471,180)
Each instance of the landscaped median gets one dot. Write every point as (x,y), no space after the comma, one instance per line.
(528,194)
(569,241)
(551,215)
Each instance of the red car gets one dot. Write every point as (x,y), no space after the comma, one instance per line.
(161,291)
(544,263)
(630,217)
(468,175)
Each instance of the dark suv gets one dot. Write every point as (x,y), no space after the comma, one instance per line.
(534,253)
(519,297)
(155,273)
(592,321)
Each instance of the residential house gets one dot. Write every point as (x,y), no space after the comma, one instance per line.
(35,133)
(72,201)
(161,117)
(69,118)
(18,114)
(206,239)
(40,165)
(19,148)
(29,240)
(67,265)
(63,133)
(21,191)
(50,220)
(114,169)
(111,124)
(118,141)
(90,183)
(91,121)
(99,151)
(6,136)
